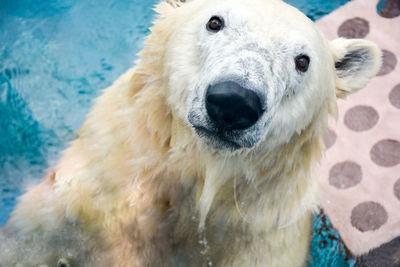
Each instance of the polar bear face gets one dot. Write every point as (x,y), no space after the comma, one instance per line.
(246,73)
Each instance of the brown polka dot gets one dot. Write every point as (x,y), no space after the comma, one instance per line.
(389,62)
(389,8)
(396,189)
(361,118)
(345,174)
(329,138)
(394,96)
(354,28)
(368,216)
(386,153)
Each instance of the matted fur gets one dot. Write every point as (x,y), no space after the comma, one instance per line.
(140,188)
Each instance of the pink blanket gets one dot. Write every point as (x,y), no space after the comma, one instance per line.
(360,174)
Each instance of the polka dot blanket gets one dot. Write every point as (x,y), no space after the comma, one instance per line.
(360,173)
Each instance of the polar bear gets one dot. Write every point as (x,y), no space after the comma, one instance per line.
(202,154)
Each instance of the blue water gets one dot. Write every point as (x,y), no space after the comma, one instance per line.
(55,57)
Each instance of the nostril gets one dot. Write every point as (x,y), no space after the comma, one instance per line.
(232,107)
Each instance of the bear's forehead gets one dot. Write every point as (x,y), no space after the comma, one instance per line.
(260,9)
(272,18)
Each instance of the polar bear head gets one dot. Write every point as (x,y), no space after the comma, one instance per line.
(245,74)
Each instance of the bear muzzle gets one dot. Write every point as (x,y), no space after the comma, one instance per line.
(232,107)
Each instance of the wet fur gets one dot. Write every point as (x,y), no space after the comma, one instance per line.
(139,188)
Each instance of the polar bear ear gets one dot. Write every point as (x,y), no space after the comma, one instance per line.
(356,62)
(176,3)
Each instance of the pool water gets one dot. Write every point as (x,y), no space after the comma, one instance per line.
(55,57)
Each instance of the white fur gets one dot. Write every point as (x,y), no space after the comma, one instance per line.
(139,187)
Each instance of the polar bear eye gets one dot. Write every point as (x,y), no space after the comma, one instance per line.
(302,62)
(215,24)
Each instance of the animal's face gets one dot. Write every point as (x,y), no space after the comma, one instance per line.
(243,73)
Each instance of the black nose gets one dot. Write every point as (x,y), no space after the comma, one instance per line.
(232,107)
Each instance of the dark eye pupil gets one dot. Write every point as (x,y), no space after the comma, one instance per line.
(302,63)
(215,24)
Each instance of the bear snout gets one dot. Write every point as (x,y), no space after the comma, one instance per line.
(232,107)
